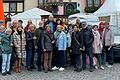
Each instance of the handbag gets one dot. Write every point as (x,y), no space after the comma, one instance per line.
(88,60)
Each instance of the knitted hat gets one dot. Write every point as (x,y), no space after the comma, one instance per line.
(101,23)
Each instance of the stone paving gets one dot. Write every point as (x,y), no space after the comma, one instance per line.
(68,74)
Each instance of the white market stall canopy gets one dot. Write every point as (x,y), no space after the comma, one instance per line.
(108,8)
(33,14)
(89,18)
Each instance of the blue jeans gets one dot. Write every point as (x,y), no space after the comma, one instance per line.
(28,58)
(61,58)
(88,51)
(6,62)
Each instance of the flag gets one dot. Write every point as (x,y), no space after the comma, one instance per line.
(1,11)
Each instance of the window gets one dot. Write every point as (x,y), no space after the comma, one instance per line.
(89,2)
(19,7)
(13,7)
(93,3)
(44,1)
(97,3)
(6,7)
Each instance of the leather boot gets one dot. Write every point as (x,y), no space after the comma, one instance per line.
(16,67)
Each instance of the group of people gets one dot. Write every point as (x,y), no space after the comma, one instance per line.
(55,45)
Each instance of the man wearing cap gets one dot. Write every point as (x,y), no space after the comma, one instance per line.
(88,39)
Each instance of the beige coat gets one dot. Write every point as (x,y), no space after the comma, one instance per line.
(97,44)
(109,38)
(19,44)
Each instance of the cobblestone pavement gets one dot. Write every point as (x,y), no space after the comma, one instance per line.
(68,74)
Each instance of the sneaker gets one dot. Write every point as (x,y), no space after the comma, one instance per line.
(61,69)
(101,67)
(55,68)
(109,66)
(96,67)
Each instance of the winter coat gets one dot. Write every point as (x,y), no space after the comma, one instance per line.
(76,43)
(29,41)
(109,38)
(7,43)
(88,37)
(19,44)
(62,41)
(46,41)
(97,44)
(37,37)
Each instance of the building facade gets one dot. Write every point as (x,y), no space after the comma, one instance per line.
(60,7)
(90,3)
(12,7)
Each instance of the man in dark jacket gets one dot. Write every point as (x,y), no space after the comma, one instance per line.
(37,43)
(88,39)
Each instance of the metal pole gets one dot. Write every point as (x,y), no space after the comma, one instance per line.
(117,22)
